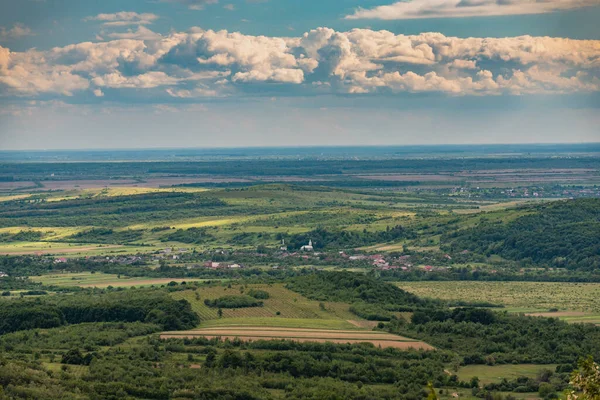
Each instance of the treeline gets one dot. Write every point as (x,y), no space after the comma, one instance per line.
(151,306)
(323,238)
(105,236)
(190,236)
(502,274)
(485,337)
(563,234)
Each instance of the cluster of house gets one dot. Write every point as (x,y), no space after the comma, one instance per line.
(402,262)
(222,265)
(3,275)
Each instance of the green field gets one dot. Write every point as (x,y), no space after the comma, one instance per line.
(100,280)
(495,373)
(576,302)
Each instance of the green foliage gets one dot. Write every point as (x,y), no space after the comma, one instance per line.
(370,312)
(152,306)
(107,211)
(233,301)
(192,236)
(23,315)
(87,336)
(486,337)
(22,236)
(258,294)
(586,379)
(105,236)
(353,288)
(336,239)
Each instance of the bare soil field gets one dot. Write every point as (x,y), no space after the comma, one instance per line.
(15,185)
(86,184)
(409,177)
(99,184)
(302,335)
(377,343)
(167,181)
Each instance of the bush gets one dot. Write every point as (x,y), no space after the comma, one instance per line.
(233,301)
(258,294)
(370,312)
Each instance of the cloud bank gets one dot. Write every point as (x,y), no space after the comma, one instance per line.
(192,4)
(124,18)
(205,63)
(416,9)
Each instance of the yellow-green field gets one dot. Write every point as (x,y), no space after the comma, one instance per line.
(576,302)
(291,306)
(99,280)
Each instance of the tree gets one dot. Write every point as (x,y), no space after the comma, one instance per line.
(432,395)
(586,379)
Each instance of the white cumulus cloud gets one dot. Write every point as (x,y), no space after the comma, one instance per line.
(206,63)
(415,9)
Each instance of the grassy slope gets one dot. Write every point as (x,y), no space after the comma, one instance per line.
(295,310)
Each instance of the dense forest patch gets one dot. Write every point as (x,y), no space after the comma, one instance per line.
(324,238)
(351,288)
(150,306)
(233,301)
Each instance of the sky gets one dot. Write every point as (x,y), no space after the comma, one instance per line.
(233,73)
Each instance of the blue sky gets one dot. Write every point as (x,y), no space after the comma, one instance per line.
(206,73)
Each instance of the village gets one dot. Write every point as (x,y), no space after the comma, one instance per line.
(279,258)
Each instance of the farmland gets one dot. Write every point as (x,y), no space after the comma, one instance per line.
(247,333)
(196,274)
